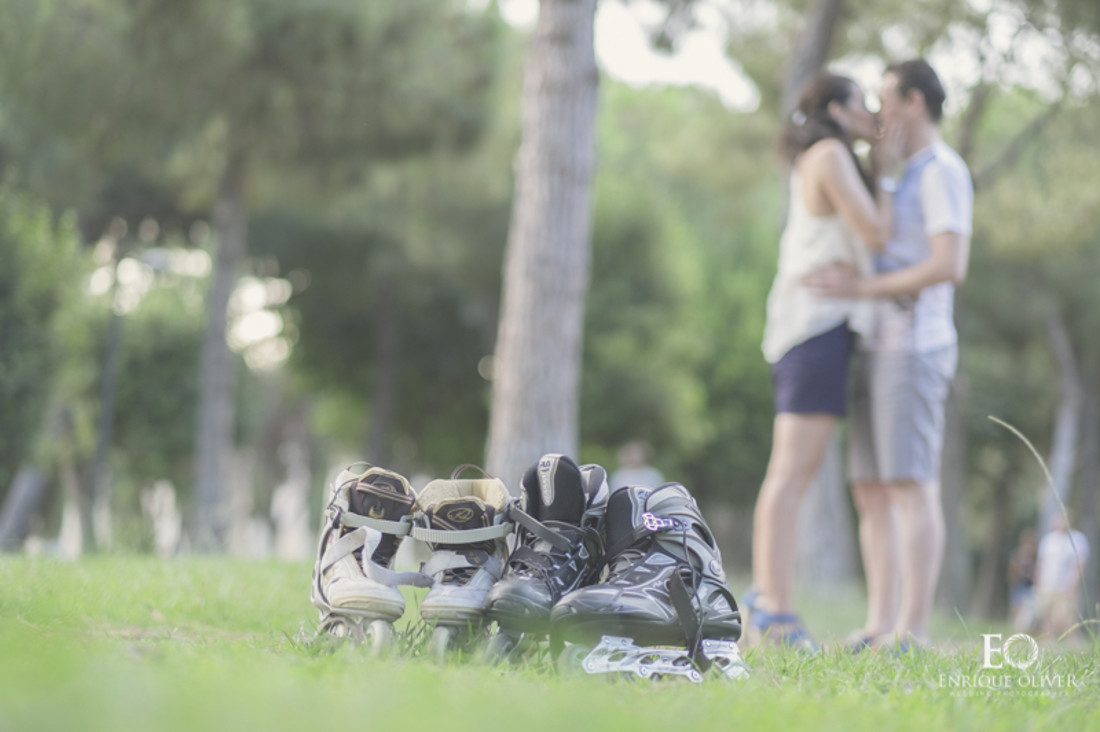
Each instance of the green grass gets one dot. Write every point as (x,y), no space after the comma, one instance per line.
(133,643)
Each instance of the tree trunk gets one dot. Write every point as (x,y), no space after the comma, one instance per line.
(1063,450)
(975,109)
(1015,147)
(383,406)
(811,50)
(954,587)
(26,493)
(826,538)
(537,365)
(73,538)
(29,487)
(991,592)
(101,477)
(217,374)
(1089,484)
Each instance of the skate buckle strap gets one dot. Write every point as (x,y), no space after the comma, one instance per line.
(655,523)
(444,560)
(385,575)
(397,528)
(685,611)
(342,547)
(461,536)
(393,578)
(538,528)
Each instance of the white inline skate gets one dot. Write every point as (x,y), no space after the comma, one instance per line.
(354,585)
(664,608)
(465,523)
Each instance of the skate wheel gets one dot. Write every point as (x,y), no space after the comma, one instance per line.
(341,627)
(571,659)
(498,649)
(437,646)
(379,638)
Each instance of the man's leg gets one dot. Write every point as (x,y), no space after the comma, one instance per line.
(913,395)
(921,537)
(877,536)
(878,549)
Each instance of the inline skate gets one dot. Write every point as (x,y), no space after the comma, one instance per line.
(465,523)
(558,548)
(354,586)
(664,608)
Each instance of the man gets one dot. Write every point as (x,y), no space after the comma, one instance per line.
(634,467)
(906,367)
(1061,563)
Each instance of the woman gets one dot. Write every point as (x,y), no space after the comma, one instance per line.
(835,216)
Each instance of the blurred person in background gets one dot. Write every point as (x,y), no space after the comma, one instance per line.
(634,467)
(1063,552)
(1021,581)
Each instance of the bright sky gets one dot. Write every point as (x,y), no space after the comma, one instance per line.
(624,53)
(1017,54)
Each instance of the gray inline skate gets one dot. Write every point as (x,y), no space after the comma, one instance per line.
(354,586)
(558,548)
(465,523)
(664,608)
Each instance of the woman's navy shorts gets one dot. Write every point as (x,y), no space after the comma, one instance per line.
(812,377)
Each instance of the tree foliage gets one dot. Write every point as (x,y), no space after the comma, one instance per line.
(39,275)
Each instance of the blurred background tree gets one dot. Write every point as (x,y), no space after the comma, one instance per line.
(331,185)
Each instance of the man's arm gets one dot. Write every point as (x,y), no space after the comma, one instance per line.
(947,263)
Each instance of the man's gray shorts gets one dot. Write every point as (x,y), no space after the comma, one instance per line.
(896,414)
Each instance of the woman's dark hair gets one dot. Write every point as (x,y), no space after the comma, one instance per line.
(811,122)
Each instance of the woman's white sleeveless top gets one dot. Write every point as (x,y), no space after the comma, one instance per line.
(808,243)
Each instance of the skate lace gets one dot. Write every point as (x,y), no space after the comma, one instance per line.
(557,568)
(460,576)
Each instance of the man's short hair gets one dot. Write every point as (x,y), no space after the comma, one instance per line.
(918,75)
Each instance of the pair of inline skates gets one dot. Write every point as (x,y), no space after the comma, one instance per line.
(372,510)
(634,584)
(628,582)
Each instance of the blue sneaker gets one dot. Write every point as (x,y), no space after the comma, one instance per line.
(784,629)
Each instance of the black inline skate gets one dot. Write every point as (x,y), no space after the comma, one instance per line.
(558,548)
(664,608)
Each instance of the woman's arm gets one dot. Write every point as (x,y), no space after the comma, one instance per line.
(829,166)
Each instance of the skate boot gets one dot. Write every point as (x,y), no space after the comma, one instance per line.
(558,548)
(353,585)
(664,608)
(465,524)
